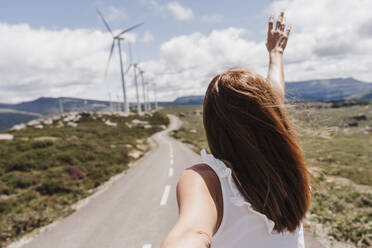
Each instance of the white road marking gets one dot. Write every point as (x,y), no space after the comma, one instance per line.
(147,246)
(170,172)
(171,161)
(164,198)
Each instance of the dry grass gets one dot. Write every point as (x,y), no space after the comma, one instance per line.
(44,171)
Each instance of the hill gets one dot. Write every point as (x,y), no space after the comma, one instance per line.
(49,105)
(326,89)
(189,100)
(333,89)
(312,90)
(12,114)
(9,117)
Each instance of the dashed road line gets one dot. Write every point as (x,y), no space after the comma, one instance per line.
(170,172)
(164,198)
(147,246)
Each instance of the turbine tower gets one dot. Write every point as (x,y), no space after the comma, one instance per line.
(139,110)
(117,39)
(155,98)
(135,66)
(145,105)
(60,101)
(148,96)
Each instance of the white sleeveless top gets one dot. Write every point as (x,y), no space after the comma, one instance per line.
(241,225)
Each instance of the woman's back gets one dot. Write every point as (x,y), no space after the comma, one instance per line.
(241,225)
(247,128)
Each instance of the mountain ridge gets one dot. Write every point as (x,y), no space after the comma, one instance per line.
(333,89)
(325,90)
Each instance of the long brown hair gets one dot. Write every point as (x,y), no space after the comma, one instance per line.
(247,128)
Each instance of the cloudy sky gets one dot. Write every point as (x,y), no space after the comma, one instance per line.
(60,48)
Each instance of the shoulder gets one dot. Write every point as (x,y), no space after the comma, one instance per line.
(199,198)
(200,186)
(200,176)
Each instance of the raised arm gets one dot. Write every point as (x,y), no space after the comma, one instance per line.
(197,213)
(276,42)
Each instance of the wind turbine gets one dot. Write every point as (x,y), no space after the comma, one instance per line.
(155,98)
(60,101)
(148,101)
(145,105)
(146,93)
(139,110)
(118,39)
(134,65)
(147,85)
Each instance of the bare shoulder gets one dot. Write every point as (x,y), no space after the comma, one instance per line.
(207,174)
(201,183)
(200,175)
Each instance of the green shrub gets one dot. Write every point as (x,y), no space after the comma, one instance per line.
(41,144)
(66,157)
(6,206)
(21,180)
(40,174)
(159,118)
(52,186)
(20,164)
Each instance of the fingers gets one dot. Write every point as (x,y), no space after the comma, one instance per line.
(278,37)
(288,31)
(284,39)
(282,24)
(271,23)
(279,21)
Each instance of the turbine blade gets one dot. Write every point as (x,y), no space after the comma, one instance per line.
(129,29)
(104,22)
(109,59)
(128,69)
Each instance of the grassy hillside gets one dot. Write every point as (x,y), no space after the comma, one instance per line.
(44,171)
(337,145)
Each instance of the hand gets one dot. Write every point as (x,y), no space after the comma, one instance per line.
(277,38)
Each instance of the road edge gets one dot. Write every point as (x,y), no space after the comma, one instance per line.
(27,238)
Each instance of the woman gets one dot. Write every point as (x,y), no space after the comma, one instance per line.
(253,189)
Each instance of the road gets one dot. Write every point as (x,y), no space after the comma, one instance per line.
(136,211)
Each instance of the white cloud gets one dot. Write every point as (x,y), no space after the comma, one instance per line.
(180,12)
(330,38)
(148,37)
(323,44)
(155,6)
(189,62)
(113,14)
(42,62)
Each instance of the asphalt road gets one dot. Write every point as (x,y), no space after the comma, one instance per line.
(136,211)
